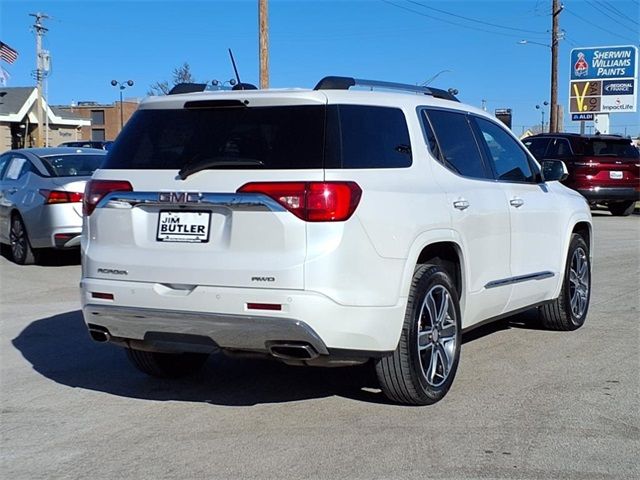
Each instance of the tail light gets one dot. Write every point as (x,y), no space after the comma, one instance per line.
(312,201)
(95,190)
(60,196)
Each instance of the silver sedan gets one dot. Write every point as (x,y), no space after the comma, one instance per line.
(41,191)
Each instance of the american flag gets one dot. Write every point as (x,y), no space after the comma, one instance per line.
(7,53)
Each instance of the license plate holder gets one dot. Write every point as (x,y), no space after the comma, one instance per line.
(186,226)
(615,175)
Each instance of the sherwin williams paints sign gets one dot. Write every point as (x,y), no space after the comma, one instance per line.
(603,80)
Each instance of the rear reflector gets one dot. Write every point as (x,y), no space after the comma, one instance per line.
(60,196)
(97,189)
(264,306)
(102,296)
(312,201)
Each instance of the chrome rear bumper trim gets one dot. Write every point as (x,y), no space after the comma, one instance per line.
(239,332)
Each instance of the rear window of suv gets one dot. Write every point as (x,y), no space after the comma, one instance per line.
(278,137)
(599,147)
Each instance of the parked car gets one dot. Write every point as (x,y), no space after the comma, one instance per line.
(101,144)
(41,191)
(326,227)
(603,168)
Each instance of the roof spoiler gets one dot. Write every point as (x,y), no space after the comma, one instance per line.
(344,83)
(187,88)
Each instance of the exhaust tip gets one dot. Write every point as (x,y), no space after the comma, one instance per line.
(293,351)
(98,333)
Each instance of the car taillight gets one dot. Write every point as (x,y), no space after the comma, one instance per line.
(311,201)
(95,190)
(60,196)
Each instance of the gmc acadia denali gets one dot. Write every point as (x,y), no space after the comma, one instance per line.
(359,221)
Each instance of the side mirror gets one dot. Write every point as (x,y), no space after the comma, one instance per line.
(554,170)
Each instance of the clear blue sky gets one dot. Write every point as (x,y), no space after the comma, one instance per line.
(95,41)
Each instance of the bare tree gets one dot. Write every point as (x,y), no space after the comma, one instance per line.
(181,74)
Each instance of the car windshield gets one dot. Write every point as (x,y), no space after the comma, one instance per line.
(598,147)
(72,165)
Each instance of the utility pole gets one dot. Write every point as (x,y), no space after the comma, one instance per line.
(556,8)
(263,21)
(40,68)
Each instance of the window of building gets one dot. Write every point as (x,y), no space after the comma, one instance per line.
(97,117)
(98,134)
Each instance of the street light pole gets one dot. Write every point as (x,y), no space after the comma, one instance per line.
(122,86)
(541,108)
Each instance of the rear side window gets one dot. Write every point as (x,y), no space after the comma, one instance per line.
(284,137)
(458,147)
(367,137)
(559,148)
(537,146)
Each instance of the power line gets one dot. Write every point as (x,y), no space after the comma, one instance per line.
(475,20)
(614,9)
(597,26)
(604,12)
(422,14)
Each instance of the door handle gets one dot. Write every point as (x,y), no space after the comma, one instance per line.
(516,202)
(13,190)
(461,204)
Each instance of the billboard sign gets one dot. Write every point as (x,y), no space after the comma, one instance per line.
(603,80)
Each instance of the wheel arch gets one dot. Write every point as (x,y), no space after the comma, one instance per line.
(583,227)
(442,248)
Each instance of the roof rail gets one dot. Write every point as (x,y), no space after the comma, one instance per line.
(344,83)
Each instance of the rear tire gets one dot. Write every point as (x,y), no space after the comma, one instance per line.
(569,310)
(621,209)
(21,250)
(166,365)
(424,364)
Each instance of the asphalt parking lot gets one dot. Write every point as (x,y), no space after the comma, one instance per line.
(526,403)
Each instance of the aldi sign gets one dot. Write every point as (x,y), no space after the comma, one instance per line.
(603,80)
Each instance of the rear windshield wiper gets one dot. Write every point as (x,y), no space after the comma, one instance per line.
(191,168)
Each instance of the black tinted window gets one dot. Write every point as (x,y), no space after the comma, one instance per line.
(458,146)
(232,137)
(537,146)
(559,148)
(367,137)
(510,161)
(600,147)
(431,137)
(72,165)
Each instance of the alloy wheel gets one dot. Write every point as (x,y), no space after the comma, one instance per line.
(437,332)
(18,239)
(579,283)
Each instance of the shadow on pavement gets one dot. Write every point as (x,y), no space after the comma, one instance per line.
(60,349)
(49,257)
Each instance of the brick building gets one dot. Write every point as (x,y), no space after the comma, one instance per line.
(104,118)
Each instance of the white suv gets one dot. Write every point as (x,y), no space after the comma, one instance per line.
(326,227)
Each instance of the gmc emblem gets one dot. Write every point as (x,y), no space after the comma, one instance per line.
(179,197)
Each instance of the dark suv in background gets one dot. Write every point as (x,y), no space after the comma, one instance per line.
(605,169)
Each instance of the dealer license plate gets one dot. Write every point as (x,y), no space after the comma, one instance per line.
(190,227)
(615,175)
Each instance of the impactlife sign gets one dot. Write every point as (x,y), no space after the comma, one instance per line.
(603,80)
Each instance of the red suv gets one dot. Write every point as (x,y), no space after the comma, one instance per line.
(605,169)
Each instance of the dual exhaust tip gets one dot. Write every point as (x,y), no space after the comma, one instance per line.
(281,350)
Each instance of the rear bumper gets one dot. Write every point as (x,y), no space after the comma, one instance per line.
(222,315)
(610,193)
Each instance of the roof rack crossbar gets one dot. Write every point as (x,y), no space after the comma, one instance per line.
(344,83)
